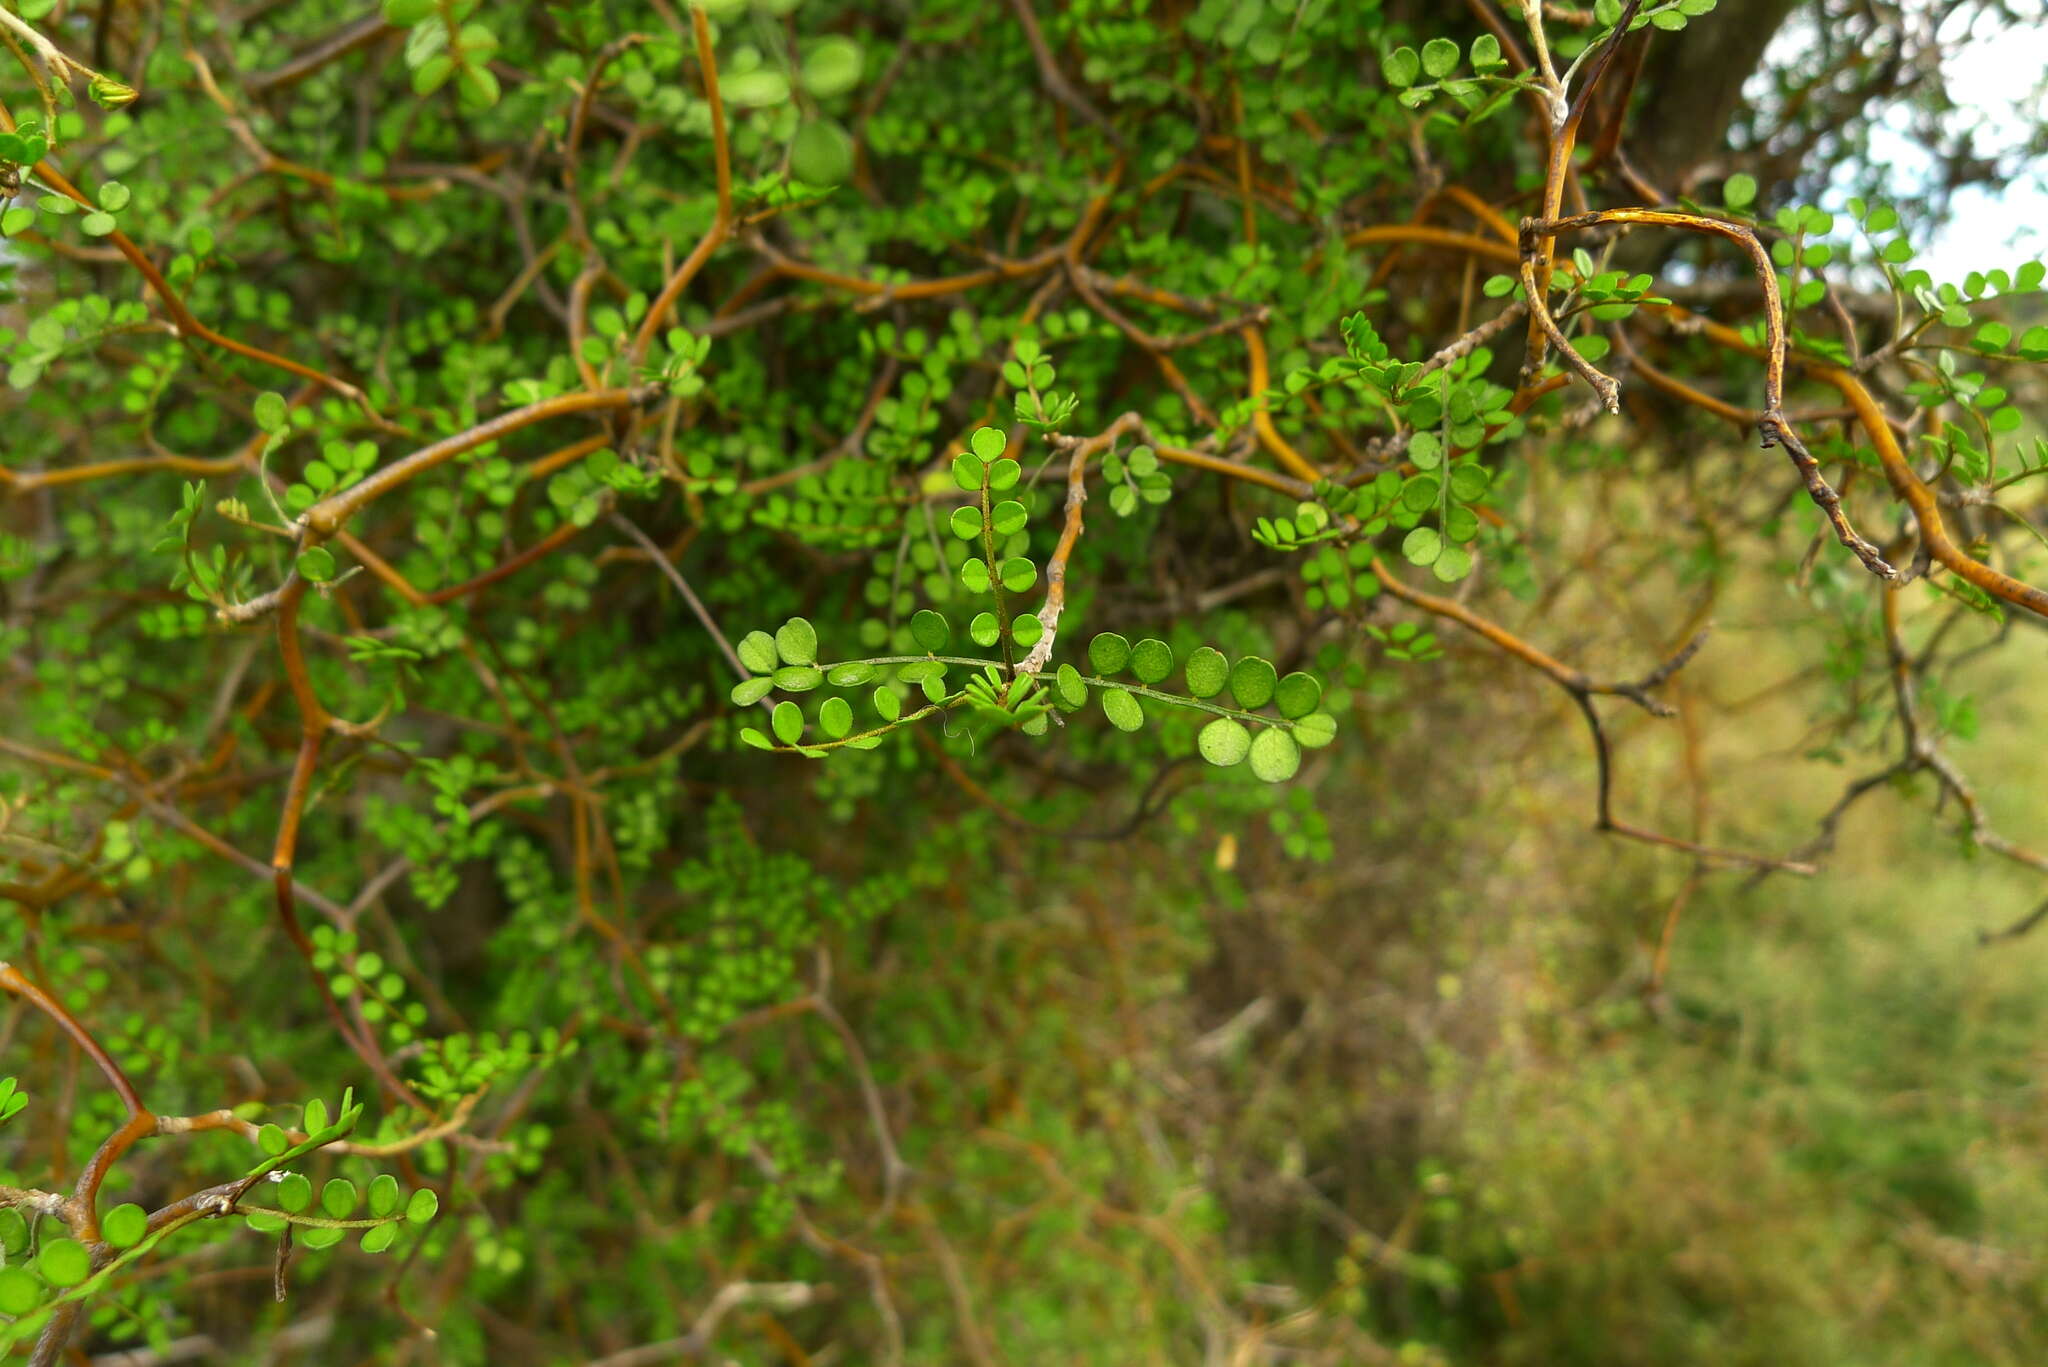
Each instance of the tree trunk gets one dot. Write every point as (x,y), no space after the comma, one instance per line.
(1691,87)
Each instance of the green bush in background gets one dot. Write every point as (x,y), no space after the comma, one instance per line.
(796,682)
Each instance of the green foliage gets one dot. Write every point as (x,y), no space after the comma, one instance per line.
(65,1271)
(12,1100)
(787,661)
(455,463)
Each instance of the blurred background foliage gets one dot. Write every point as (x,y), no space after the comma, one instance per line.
(976,1049)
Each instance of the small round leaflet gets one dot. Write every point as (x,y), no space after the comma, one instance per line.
(1252,682)
(797,641)
(64,1262)
(1275,756)
(757,652)
(19,1291)
(1122,710)
(1206,670)
(1224,742)
(1108,653)
(930,631)
(787,722)
(1298,694)
(1151,660)
(125,1225)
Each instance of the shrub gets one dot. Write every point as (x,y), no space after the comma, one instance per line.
(548,548)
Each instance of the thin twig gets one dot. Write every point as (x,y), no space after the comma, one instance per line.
(675,577)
